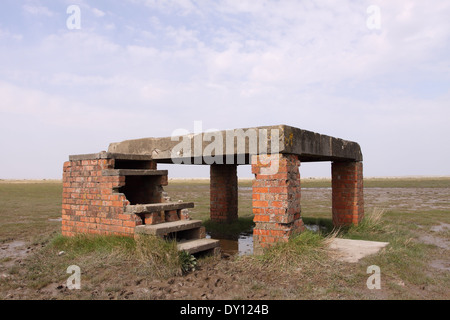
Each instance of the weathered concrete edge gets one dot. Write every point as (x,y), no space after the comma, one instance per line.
(155,207)
(313,145)
(310,146)
(161,148)
(134,172)
(197,245)
(168,227)
(110,155)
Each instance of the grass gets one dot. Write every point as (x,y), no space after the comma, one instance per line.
(101,258)
(372,224)
(155,257)
(84,244)
(25,210)
(307,248)
(413,182)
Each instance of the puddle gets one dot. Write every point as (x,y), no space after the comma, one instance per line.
(11,254)
(440,264)
(436,241)
(241,244)
(15,249)
(315,227)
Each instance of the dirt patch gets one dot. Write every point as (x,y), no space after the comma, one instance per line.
(408,199)
(441,264)
(215,280)
(11,254)
(405,199)
(435,240)
(443,244)
(441,227)
(14,250)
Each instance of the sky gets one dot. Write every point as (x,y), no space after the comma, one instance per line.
(78,75)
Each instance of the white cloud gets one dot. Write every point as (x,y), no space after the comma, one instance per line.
(98,12)
(38,10)
(183,7)
(4,34)
(54,110)
(309,64)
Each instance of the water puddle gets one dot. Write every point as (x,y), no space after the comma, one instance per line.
(315,227)
(12,250)
(11,254)
(241,244)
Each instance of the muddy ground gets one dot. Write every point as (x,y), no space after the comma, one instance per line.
(231,277)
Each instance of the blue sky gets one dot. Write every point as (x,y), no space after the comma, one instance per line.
(144,68)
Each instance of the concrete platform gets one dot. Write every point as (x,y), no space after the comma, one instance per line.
(310,146)
(353,250)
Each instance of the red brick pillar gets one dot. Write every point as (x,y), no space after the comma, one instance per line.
(224,193)
(91,202)
(347,194)
(276,199)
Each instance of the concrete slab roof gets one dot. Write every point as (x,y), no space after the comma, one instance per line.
(239,144)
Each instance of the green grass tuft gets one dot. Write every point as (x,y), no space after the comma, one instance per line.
(305,248)
(372,223)
(83,243)
(158,257)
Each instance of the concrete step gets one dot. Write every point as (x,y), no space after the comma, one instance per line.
(198,245)
(163,229)
(134,172)
(153,207)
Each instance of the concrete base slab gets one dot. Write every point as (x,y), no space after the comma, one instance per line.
(353,250)
(197,245)
(168,227)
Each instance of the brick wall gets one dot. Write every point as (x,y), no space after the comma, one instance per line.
(347,194)
(91,202)
(223,192)
(276,200)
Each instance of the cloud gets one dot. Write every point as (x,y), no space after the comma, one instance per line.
(38,10)
(4,34)
(98,12)
(50,109)
(309,64)
(181,7)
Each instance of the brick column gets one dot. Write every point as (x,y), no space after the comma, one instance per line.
(224,193)
(91,202)
(347,194)
(276,200)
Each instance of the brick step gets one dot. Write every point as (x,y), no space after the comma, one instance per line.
(134,172)
(198,245)
(154,207)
